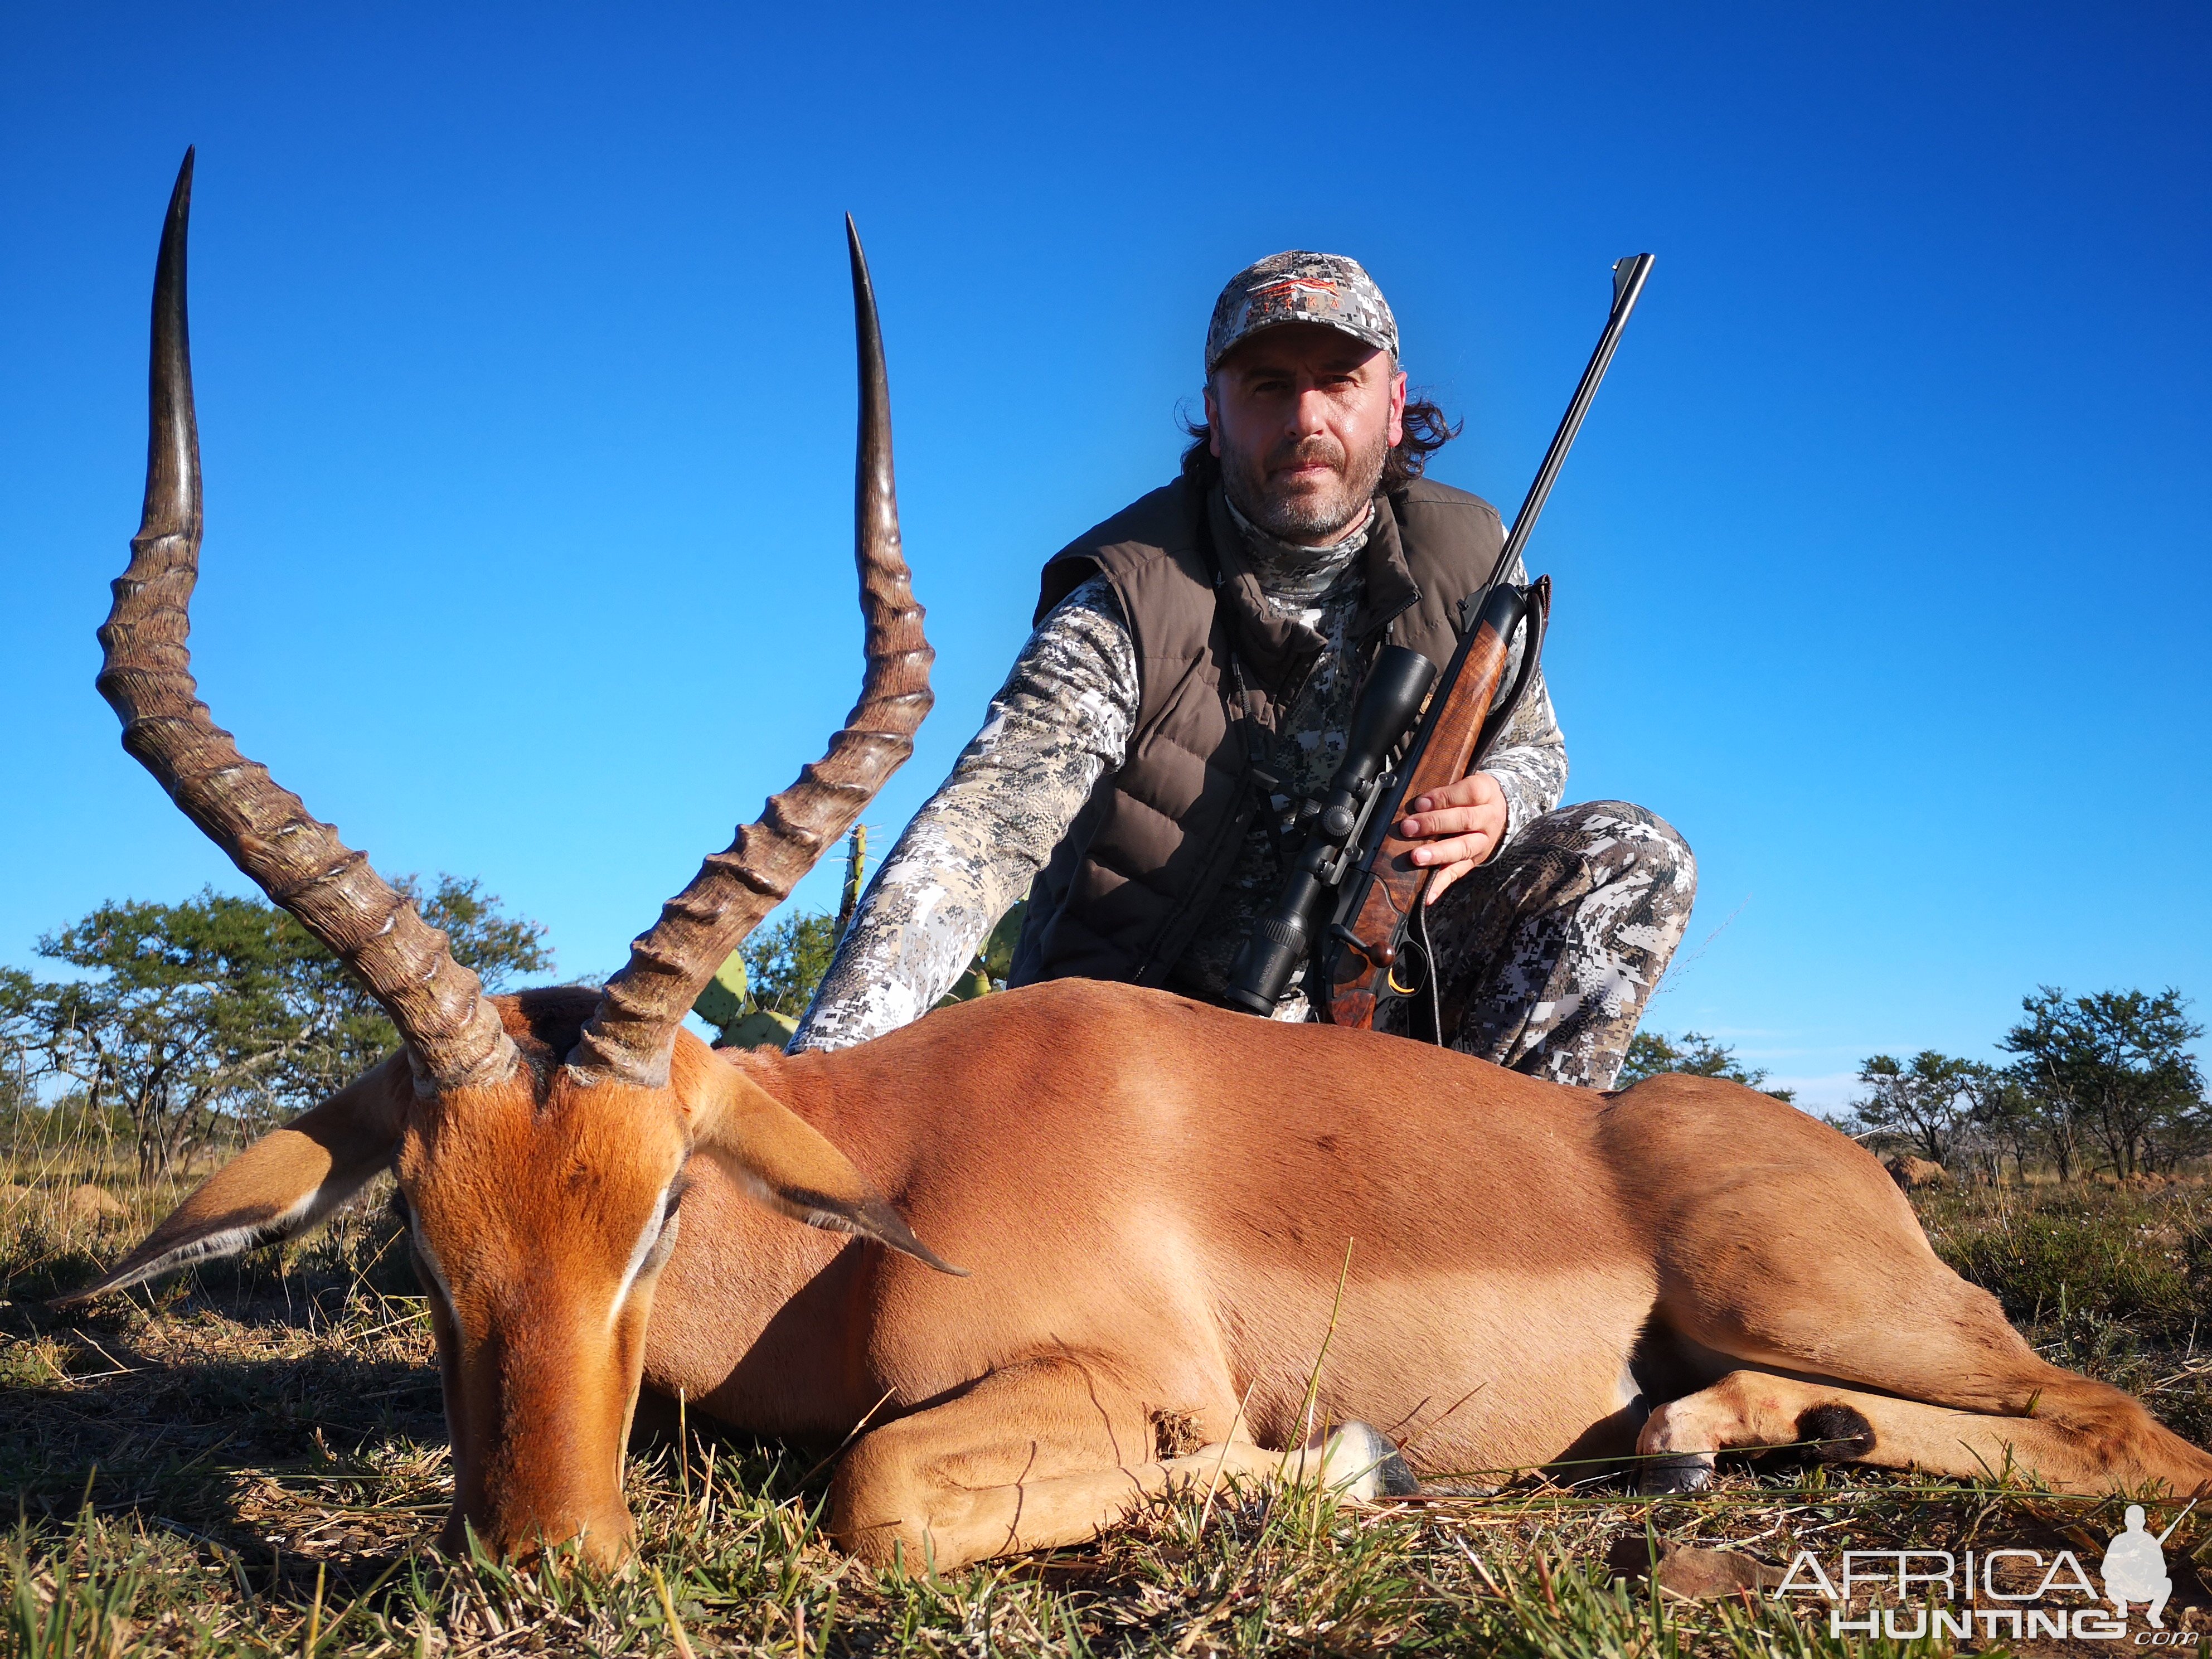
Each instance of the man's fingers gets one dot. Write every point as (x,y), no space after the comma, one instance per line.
(1473,790)
(1468,791)
(1473,849)
(1450,821)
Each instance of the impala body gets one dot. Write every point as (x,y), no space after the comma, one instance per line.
(1163,1212)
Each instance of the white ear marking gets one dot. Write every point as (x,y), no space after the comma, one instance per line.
(296,1217)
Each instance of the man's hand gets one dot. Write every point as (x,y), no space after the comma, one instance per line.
(1462,824)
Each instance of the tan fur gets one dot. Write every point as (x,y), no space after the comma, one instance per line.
(1156,1201)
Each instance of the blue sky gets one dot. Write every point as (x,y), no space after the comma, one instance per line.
(525,383)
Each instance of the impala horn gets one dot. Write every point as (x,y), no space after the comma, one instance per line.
(629,1038)
(300,862)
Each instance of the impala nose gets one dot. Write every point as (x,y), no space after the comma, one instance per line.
(603,1543)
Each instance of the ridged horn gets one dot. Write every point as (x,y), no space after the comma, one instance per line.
(301,863)
(629,1038)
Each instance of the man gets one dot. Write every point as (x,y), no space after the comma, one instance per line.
(1191,679)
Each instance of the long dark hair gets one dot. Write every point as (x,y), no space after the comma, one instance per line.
(1427,430)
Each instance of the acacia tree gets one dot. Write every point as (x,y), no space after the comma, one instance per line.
(2117,1064)
(1927,1101)
(176,1010)
(18,1043)
(2009,1116)
(185,1016)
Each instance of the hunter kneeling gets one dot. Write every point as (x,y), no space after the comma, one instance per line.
(1190,683)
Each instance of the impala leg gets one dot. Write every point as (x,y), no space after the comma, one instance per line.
(1951,1386)
(1749,1409)
(1039,1456)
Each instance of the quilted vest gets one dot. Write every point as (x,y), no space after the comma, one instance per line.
(1131,879)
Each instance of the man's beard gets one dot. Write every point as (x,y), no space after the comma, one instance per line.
(1305,516)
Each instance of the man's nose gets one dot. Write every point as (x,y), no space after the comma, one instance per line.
(1309,411)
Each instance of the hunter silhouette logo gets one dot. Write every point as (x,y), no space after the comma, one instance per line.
(1923,1593)
(2134,1567)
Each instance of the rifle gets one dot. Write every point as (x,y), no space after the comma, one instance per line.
(1352,869)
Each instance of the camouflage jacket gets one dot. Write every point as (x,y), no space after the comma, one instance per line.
(1060,722)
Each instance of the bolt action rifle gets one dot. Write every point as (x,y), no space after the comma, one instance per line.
(1351,902)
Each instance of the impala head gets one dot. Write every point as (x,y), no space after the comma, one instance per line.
(540,1142)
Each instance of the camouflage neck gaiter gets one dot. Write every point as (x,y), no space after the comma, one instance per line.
(1296,579)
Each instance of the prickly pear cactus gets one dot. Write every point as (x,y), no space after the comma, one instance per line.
(722,1004)
(972,984)
(856,874)
(998,953)
(763,1027)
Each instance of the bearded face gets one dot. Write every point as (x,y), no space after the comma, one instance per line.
(1302,418)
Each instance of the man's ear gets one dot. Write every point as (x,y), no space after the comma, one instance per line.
(785,1163)
(282,1184)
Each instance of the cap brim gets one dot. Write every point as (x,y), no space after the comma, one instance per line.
(1365,336)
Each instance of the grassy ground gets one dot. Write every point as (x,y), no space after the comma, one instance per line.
(248,1459)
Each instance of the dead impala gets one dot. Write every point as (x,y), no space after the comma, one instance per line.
(1152,1218)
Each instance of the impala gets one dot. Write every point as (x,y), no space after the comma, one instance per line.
(1163,1210)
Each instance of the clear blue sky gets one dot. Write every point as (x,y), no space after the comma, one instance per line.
(524,384)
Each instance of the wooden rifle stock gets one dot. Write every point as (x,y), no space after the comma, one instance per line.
(1364,955)
(1367,946)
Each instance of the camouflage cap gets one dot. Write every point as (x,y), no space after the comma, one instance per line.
(1301,287)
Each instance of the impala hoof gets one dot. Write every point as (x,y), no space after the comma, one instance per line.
(1662,1477)
(1363,1462)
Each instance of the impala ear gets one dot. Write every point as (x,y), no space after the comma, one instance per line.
(282,1184)
(786,1164)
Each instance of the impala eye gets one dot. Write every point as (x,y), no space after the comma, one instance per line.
(665,1240)
(677,1189)
(654,1243)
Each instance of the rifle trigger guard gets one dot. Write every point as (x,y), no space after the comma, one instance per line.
(1420,977)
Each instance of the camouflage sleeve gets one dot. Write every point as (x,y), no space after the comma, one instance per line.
(1060,721)
(1530,759)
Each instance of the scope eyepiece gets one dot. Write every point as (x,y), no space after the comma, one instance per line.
(1264,964)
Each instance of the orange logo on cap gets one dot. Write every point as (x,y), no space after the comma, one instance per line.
(1300,285)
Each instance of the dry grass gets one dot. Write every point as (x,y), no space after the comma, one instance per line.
(248,1459)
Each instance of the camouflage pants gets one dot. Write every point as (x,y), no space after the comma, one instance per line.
(1547,954)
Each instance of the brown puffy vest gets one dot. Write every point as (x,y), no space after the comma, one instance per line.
(1131,879)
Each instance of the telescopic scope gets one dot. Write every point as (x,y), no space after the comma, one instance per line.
(1283,938)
